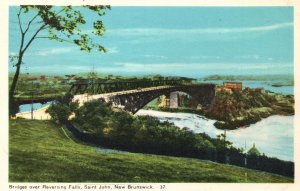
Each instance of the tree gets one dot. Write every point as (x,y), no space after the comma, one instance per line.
(62,24)
(59,112)
(222,141)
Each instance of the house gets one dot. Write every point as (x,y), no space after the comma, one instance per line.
(233,85)
(42,78)
(31,79)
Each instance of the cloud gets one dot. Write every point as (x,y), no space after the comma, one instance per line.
(53,51)
(196,31)
(255,57)
(13,53)
(202,65)
(203,57)
(173,69)
(79,68)
(196,68)
(155,56)
(113,50)
(252,56)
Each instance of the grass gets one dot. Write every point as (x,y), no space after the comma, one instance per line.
(40,151)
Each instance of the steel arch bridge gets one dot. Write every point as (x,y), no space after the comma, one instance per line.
(203,94)
(132,96)
(94,86)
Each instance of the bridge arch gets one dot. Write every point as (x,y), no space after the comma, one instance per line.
(132,102)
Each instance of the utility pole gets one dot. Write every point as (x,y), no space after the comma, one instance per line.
(32,100)
(93,79)
(225,138)
(225,148)
(245,160)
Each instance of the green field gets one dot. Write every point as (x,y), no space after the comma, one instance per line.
(40,151)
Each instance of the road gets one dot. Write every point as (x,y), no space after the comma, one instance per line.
(39,114)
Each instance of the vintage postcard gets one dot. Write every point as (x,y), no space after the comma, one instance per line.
(160,95)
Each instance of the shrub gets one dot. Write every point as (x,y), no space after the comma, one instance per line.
(59,112)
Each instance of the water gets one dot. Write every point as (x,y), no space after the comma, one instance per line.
(273,136)
(287,90)
(267,85)
(27,107)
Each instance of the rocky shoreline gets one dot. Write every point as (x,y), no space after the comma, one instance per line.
(243,108)
(254,108)
(245,121)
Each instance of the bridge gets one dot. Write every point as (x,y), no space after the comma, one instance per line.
(136,98)
(96,86)
(131,96)
(99,86)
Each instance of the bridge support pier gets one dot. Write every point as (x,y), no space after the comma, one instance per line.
(174,100)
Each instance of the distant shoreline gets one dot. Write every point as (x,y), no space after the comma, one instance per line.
(280,77)
(269,77)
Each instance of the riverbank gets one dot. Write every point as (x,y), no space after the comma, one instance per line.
(241,108)
(276,129)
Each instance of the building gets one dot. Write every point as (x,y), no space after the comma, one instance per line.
(42,78)
(31,79)
(253,151)
(233,85)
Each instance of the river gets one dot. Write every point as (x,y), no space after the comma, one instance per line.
(27,107)
(273,136)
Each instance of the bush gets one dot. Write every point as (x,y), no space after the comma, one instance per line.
(59,112)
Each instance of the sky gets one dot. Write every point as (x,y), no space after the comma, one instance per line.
(177,41)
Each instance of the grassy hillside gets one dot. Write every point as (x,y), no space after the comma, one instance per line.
(41,152)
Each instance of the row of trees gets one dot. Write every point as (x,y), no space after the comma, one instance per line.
(120,130)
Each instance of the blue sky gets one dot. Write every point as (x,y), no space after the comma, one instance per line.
(183,41)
